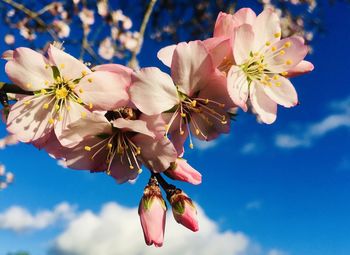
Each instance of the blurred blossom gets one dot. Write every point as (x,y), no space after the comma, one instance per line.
(5,177)
(27,33)
(87,16)
(8,140)
(114,33)
(62,28)
(9,39)
(129,40)
(11,13)
(102,8)
(106,49)
(9,177)
(3,185)
(127,23)
(2,170)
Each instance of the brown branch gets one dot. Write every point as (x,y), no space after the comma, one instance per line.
(33,15)
(133,63)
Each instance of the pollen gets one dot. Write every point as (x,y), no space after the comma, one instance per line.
(27,102)
(268,43)
(60,118)
(89,80)
(183,115)
(71,85)
(109,146)
(288,44)
(282,52)
(278,84)
(57,107)
(289,62)
(46,106)
(61,93)
(91,106)
(83,73)
(43,91)
(81,90)
(277,35)
(284,73)
(273,48)
(206,101)
(197,131)
(51,121)
(87,148)
(68,108)
(194,103)
(46,82)
(138,151)
(47,66)
(275,77)
(131,167)
(191,145)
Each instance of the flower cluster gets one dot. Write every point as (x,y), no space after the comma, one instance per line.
(6,178)
(114,120)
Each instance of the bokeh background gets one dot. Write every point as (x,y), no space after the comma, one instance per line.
(280,189)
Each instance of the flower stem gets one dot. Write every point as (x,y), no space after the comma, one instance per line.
(168,188)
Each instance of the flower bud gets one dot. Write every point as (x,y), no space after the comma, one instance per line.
(184,211)
(182,171)
(152,212)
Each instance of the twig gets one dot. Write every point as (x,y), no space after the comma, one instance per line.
(133,63)
(33,15)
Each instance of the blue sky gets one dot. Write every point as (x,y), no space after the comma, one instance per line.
(284,187)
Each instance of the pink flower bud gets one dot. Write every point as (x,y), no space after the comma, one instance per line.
(182,171)
(184,211)
(152,211)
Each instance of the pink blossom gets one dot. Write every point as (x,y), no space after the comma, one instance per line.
(87,17)
(9,39)
(64,90)
(194,99)
(119,146)
(184,211)
(62,28)
(262,60)
(182,171)
(106,49)
(152,212)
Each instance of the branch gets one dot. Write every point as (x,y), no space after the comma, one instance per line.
(33,15)
(133,63)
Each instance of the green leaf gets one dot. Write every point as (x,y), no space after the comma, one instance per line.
(55,72)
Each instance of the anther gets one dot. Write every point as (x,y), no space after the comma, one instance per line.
(284,73)
(131,167)
(109,146)
(191,145)
(194,103)
(182,132)
(87,148)
(91,106)
(46,106)
(197,131)
(61,66)
(273,48)
(83,115)
(288,44)
(83,73)
(183,115)
(282,52)
(57,107)
(139,171)
(81,90)
(51,121)
(275,77)
(89,80)
(277,35)
(288,62)
(267,43)
(43,91)
(29,85)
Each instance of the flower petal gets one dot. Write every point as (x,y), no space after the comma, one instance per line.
(219,48)
(7,55)
(225,25)
(266,28)
(244,16)
(137,126)
(284,93)
(292,55)
(301,68)
(237,86)
(166,54)
(153,91)
(114,68)
(28,69)
(243,43)
(265,108)
(93,124)
(29,122)
(77,123)
(156,154)
(190,66)
(70,68)
(104,90)
(121,171)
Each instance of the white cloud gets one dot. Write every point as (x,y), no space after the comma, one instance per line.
(253,205)
(340,118)
(276,252)
(116,230)
(249,148)
(203,145)
(19,219)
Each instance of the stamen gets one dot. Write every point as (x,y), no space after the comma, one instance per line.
(288,44)
(87,148)
(277,35)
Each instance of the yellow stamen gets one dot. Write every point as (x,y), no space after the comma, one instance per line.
(288,44)
(81,90)
(43,91)
(139,171)
(289,62)
(277,35)
(91,106)
(83,115)
(278,84)
(183,115)
(267,43)
(284,73)
(273,48)
(29,85)
(51,121)
(79,101)
(61,66)
(131,167)
(191,145)
(90,80)
(197,131)
(282,52)
(46,106)
(109,146)
(275,77)
(61,93)
(60,118)
(87,148)
(47,66)
(83,73)
(194,103)
(57,107)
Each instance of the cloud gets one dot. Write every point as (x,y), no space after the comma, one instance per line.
(19,219)
(249,148)
(339,118)
(116,230)
(253,205)
(276,252)
(204,145)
